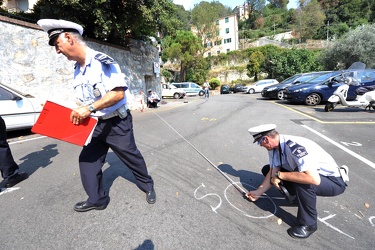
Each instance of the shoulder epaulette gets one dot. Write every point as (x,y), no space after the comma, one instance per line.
(104,58)
(296,149)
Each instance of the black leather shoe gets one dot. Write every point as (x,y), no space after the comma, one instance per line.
(17,178)
(302,232)
(151,196)
(84,206)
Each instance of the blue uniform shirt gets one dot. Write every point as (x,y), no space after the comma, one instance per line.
(300,154)
(100,75)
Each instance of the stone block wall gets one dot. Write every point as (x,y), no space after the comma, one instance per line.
(29,64)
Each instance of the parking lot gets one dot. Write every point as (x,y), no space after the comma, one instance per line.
(185,143)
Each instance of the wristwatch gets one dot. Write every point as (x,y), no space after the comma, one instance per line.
(91,108)
(277,174)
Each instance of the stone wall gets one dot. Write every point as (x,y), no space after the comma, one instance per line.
(30,65)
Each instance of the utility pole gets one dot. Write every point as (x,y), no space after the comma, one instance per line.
(327,30)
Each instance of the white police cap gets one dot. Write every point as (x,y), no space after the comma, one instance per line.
(261,130)
(149,90)
(55,27)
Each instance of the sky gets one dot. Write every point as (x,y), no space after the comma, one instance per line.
(189,4)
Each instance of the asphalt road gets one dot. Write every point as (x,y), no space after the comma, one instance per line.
(198,153)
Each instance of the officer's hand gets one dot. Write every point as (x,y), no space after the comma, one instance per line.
(275,181)
(78,115)
(253,195)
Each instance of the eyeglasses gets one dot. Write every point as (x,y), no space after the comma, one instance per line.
(260,140)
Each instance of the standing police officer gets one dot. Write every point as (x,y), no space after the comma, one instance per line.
(304,165)
(101,87)
(8,167)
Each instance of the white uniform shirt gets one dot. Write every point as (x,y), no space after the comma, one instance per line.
(300,154)
(100,75)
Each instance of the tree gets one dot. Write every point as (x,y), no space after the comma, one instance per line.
(309,18)
(254,66)
(182,47)
(255,9)
(356,45)
(113,20)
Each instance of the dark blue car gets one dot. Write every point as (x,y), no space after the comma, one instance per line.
(319,89)
(277,91)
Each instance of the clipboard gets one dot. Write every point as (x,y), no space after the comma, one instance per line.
(54,121)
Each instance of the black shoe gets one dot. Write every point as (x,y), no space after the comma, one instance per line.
(151,196)
(17,178)
(302,232)
(84,206)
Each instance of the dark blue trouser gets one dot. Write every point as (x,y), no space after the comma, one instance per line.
(306,195)
(7,164)
(117,134)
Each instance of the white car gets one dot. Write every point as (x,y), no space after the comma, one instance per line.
(260,85)
(19,111)
(169,90)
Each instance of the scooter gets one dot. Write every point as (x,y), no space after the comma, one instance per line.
(367,100)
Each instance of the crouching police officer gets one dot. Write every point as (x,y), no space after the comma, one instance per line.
(302,164)
(101,87)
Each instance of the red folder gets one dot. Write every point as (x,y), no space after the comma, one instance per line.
(54,121)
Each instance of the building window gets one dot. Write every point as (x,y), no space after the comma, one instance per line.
(209,53)
(228,40)
(226,30)
(227,20)
(218,33)
(217,42)
(208,35)
(228,50)
(218,52)
(217,22)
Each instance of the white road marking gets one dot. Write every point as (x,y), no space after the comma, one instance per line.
(8,190)
(32,139)
(361,158)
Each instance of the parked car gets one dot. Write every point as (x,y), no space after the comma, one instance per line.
(260,85)
(190,88)
(238,88)
(19,110)
(319,89)
(277,91)
(225,89)
(169,90)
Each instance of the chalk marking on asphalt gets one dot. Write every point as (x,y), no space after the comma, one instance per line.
(318,120)
(8,190)
(210,194)
(248,215)
(370,220)
(361,158)
(26,140)
(333,227)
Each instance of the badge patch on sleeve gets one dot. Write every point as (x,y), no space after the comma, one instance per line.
(296,149)
(106,59)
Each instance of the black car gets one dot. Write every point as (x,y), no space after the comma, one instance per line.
(238,88)
(277,91)
(225,89)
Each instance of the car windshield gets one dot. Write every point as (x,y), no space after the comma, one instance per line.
(291,79)
(322,78)
(17,91)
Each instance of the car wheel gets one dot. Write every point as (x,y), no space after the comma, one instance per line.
(176,96)
(280,94)
(251,91)
(313,99)
(201,93)
(329,106)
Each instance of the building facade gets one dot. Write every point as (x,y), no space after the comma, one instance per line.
(226,38)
